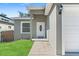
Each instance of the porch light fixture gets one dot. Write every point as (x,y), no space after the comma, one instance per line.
(60,9)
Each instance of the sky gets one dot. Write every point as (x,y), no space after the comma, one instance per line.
(12,9)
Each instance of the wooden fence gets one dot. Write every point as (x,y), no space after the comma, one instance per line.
(7,36)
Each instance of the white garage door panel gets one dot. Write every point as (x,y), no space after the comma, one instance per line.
(70,28)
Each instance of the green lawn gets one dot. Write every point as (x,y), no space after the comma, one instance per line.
(15,48)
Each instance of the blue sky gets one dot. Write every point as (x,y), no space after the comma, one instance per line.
(12,9)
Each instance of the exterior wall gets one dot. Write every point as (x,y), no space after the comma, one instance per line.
(38,18)
(59,46)
(52,30)
(55,30)
(17,31)
(4,27)
(47,27)
(58,29)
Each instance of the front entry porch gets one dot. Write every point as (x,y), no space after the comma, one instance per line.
(39,27)
(41,33)
(39,30)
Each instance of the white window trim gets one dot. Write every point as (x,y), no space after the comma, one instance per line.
(21,27)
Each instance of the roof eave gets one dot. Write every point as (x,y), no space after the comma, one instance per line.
(48,8)
(23,18)
(36,8)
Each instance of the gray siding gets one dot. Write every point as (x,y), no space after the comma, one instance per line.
(38,18)
(17,31)
(59,31)
(55,30)
(52,30)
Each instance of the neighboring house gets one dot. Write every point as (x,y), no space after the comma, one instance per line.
(58,23)
(6,23)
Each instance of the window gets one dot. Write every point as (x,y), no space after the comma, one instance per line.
(40,27)
(25,27)
(9,27)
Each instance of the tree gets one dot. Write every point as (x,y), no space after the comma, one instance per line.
(3,14)
(20,14)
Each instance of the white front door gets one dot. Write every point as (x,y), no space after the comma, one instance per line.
(40,29)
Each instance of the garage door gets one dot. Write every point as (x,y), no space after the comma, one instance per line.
(70,27)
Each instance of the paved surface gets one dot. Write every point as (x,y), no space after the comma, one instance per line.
(41,48)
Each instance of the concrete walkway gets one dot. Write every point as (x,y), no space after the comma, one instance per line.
(41,48)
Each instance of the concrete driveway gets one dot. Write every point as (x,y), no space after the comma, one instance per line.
(41,48)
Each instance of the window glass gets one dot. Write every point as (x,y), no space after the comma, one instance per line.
(9,27)
(25,27)
(26,24)
(40,27)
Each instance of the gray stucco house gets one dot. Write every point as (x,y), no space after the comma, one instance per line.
(33,26)
(56,23)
